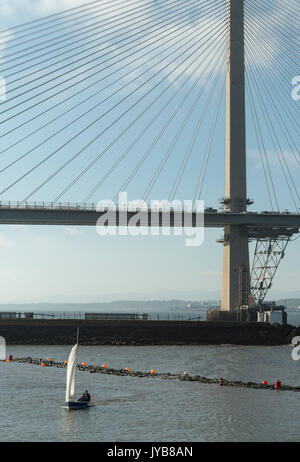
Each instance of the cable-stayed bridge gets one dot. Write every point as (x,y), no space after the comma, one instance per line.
(158,98)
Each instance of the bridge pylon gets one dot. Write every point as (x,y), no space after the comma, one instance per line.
(236,243)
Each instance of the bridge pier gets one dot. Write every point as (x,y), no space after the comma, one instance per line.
(235,280)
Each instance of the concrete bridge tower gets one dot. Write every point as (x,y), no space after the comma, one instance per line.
(236,279)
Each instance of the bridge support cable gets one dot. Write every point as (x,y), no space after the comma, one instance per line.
(207,152)
(141,161)
(95,55)
(164,78)
(194,138)
(35,23)
(169,32)
(109,37)
(275,141)
(112,83)
(274,45)
(275,25)
(36,41)
(184,123)
(263,49)
(262,149)
(192,75)
(275,109)
(281,107)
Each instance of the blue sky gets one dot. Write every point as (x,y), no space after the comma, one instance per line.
(58,263)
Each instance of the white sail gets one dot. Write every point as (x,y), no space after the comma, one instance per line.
(71,369)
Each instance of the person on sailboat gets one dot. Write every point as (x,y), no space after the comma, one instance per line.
(85,396)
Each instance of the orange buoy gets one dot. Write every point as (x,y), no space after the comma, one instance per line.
(66,361)
(84,364)
(153,371)
(48,359)
(104,365)
(127,369)
(43,364)
(8,360)
(265,382)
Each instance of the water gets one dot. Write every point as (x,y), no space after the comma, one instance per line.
(134,409)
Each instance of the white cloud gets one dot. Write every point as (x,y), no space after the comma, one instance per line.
(9,8)
(273,159)
(264,28)
(18,227)
(6,243)
(72,231)
(3,42)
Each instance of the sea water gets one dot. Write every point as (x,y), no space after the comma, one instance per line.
(135,409)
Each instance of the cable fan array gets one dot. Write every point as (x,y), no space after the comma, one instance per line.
(271,60)
(130,96)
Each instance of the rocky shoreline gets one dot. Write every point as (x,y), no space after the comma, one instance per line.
(153,374)
(142,333)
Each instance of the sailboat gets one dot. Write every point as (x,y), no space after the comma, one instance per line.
(70,384)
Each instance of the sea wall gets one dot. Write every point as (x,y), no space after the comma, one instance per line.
(63,332)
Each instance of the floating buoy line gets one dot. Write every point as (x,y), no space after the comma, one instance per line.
(104,369)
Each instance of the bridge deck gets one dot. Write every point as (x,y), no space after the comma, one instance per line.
(88,216)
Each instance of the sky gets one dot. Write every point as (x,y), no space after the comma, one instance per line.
(44,263)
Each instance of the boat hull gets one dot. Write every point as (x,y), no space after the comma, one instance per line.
(77,404)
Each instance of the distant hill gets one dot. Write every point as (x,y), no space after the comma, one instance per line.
(119,305)
(290,303)
(140,306)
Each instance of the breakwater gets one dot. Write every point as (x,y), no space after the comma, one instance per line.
(139,332)
(154,374)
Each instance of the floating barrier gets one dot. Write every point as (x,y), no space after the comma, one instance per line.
(162,375)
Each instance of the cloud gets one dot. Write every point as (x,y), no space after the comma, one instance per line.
(18,227)
(6,243)
(10,8)
(3,42)
(72,231)
(273,159)
(263,27)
